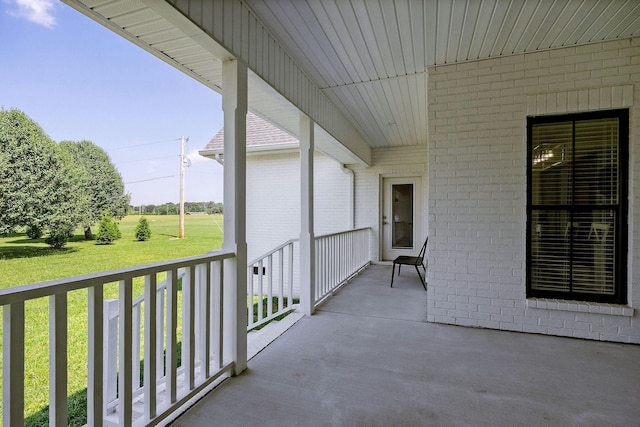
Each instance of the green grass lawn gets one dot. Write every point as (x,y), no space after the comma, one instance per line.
(24,261)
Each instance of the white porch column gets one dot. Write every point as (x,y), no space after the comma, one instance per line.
(307,238)
(234,106)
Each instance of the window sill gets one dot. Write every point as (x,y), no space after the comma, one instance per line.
(580,306)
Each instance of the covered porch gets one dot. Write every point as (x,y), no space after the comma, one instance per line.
(369,357)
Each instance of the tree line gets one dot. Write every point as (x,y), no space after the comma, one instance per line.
(51,188)
(174,208)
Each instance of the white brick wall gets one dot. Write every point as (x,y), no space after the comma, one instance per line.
(387,162)
(477,178)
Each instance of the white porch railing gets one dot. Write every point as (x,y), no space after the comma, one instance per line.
(148,330)
(166,386)
(111,339)
(270,283)
(339,257)
(271,277)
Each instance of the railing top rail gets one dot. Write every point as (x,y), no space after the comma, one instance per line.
(288,242)
(273,251)
(53,287)
(342,232)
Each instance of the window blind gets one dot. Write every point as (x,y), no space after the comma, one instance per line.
(574,207)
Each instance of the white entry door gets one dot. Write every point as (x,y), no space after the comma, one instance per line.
(400,217)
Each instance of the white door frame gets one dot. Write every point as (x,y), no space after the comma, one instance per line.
(386,252)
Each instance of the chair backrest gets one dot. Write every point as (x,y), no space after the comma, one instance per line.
(424,249)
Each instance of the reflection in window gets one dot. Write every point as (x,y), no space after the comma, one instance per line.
(577,206)
(402,232)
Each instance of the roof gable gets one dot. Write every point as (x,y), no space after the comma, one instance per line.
(260,133)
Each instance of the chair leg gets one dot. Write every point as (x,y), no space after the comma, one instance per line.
(393,272)
(424,285)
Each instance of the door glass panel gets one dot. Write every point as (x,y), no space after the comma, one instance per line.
(402,215)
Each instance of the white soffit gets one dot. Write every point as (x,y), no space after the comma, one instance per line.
(370,57)
(191,51)
(267,103)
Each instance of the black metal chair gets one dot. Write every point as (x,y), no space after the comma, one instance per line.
(412,260)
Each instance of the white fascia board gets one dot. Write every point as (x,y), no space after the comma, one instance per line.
(258,149)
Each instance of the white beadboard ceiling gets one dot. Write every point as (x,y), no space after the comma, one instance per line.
(370,57)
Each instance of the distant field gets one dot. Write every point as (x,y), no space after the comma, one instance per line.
(24,261)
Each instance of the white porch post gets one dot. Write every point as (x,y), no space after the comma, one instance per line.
(234,106)
(307,238)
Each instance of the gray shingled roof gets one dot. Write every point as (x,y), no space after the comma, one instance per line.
(260,133)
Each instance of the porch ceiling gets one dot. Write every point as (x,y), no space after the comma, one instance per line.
(370,58)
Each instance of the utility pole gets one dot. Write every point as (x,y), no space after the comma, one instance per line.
(183,160)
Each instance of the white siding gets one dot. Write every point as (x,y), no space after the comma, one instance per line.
(273,199)
(477,174)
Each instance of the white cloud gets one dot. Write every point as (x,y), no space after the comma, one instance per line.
(37,11)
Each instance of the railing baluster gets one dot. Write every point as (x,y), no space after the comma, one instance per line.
(342,254)
(281,281)
(331,261)
(332,276)
(188,326)
(150,343)
(260,291)
(13,364)
(198,314)
(95,399)
(218,313)
(328,259)
(319,269)
(58,360)
(324,268)
(205,319)
(160,317)
(125,396)
(250,279)
(291,271)
(270,285)
(110,342)
(171,340)
(136,347)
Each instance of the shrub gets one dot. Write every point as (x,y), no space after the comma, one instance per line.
(57,238)
(143,230)
(34,232)
(108,231)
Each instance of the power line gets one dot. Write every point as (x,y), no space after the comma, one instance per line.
(146,160)
(125,147)
(150,179)
(204,173)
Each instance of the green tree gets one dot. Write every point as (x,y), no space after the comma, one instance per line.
(103,183)
(108,230)
(143,230)
(40,186)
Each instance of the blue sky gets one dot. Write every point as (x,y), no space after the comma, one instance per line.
(80,81)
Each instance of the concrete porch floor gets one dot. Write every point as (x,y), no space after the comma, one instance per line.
(369,358)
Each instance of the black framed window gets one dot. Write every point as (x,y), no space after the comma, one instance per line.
(577,206)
